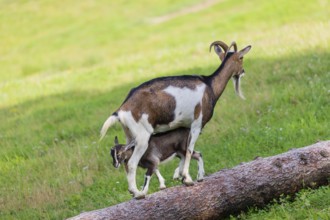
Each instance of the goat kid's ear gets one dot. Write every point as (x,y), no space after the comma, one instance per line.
(244,51)
(116,140)
(130,145)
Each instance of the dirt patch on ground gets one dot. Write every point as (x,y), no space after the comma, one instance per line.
(184,11)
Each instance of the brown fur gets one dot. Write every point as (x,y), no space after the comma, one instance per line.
(152,93)
(197,111)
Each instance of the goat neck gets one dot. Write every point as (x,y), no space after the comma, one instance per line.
(219,79)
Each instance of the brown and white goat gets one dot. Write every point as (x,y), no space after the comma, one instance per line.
(167,103)
(162,148)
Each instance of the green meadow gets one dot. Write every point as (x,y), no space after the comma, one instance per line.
(65,66)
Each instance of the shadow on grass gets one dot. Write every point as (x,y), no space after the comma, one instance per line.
(80,114)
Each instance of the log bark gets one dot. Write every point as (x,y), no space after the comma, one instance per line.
(230,191)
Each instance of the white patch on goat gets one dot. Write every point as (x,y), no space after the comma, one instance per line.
(146,185)
(141,131)
(140,148)
(116,158)
(161,179)
(128,120)
(186,100)
(201,172)
(195,130)
(176,174)
(178,171)
(144,121)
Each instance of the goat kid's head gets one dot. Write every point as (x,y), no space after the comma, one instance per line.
(120,152)
(236,57)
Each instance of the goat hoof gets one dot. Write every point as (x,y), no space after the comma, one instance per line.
(187,182)
(200,180)
(139,195)
(162,187)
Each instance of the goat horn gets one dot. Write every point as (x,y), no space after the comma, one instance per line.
(233,44)
(221,44)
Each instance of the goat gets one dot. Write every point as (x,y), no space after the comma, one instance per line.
(162,148)
(167,103)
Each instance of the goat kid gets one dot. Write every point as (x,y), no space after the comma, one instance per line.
(162,148)
(167,103)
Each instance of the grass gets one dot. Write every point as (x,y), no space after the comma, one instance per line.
(65,68)
(305,205)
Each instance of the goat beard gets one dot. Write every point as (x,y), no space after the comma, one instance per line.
(237,79)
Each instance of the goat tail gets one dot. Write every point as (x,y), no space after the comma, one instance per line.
(107,124)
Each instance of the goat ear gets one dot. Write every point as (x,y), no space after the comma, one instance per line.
(244,51)
(116,140)
(217,50)
(130,145)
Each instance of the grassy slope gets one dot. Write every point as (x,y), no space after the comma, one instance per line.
(65,68)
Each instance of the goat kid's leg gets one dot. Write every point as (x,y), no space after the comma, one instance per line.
(146,185)
(178,170)
(198,156)
(161,180)
(176,174)
(147,181)
(140,148)
(194,133)
(187,180)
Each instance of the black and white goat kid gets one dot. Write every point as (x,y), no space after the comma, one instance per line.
(167,103)
(162,148)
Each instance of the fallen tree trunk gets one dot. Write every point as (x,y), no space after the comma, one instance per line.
(230,191)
